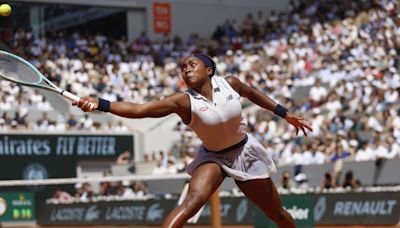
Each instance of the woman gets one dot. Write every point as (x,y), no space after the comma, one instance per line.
(211,107)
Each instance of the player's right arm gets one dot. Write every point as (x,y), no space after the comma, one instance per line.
(178,103)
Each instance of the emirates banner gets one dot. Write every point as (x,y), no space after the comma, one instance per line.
(52,145)
(42,156)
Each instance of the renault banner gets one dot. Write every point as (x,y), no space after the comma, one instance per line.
(367,208)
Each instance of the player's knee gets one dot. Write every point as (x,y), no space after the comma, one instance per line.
(195,201)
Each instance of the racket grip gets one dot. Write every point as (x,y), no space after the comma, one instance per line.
(70,96)
(73,97)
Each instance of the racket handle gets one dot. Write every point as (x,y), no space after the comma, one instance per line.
(70,96)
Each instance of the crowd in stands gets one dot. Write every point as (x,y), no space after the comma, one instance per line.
(341,74)
(329,183)
(334,62)
(84,192)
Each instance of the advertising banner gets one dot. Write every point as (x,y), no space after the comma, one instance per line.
(234,211)
(149,212)
(41,156)
(300,208)
(162,17)
(369,208)
(83,146)
(378,208)
(17,206)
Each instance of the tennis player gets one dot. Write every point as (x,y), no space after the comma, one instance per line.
(211,108)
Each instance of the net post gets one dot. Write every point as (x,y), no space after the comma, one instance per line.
(215,201)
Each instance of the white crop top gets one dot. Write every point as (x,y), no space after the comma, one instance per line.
(218,123)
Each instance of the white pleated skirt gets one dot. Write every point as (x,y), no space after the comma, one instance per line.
(248,162)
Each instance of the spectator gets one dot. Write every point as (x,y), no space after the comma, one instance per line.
(317,156)
(128,189)
(159,169)
(78,190)
(141,190)
(287,181)
(4,105)
(340,153)
(44,105)
(328,182)
(71,122)
(36,97)
(121,127)
(301,181)
(124,158)
(365,153)
(43,123)
(387,149)
(86,123)
(62,196)
(318,93)
(350,181)
(3,126)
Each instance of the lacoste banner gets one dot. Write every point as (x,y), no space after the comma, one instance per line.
(300,208)
(234,211)
(369,208)
(151,212)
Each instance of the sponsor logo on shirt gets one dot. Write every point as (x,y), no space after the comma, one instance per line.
(203,109)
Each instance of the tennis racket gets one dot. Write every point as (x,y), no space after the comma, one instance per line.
(16,69)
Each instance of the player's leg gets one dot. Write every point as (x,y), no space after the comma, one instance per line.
(263,193)
(205,180)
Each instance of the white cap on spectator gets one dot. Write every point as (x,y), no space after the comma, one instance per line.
(300,177)
(125,183)
(78,185)
(254,58)
(353,143)
(286,136)
(14,123)
(170,66)
(317,111)
(276,140)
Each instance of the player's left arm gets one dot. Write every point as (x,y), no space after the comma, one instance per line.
(266,102)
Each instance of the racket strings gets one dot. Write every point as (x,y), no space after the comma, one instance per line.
(17,71)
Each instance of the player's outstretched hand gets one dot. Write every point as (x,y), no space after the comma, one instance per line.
(87,104)
(298,122)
